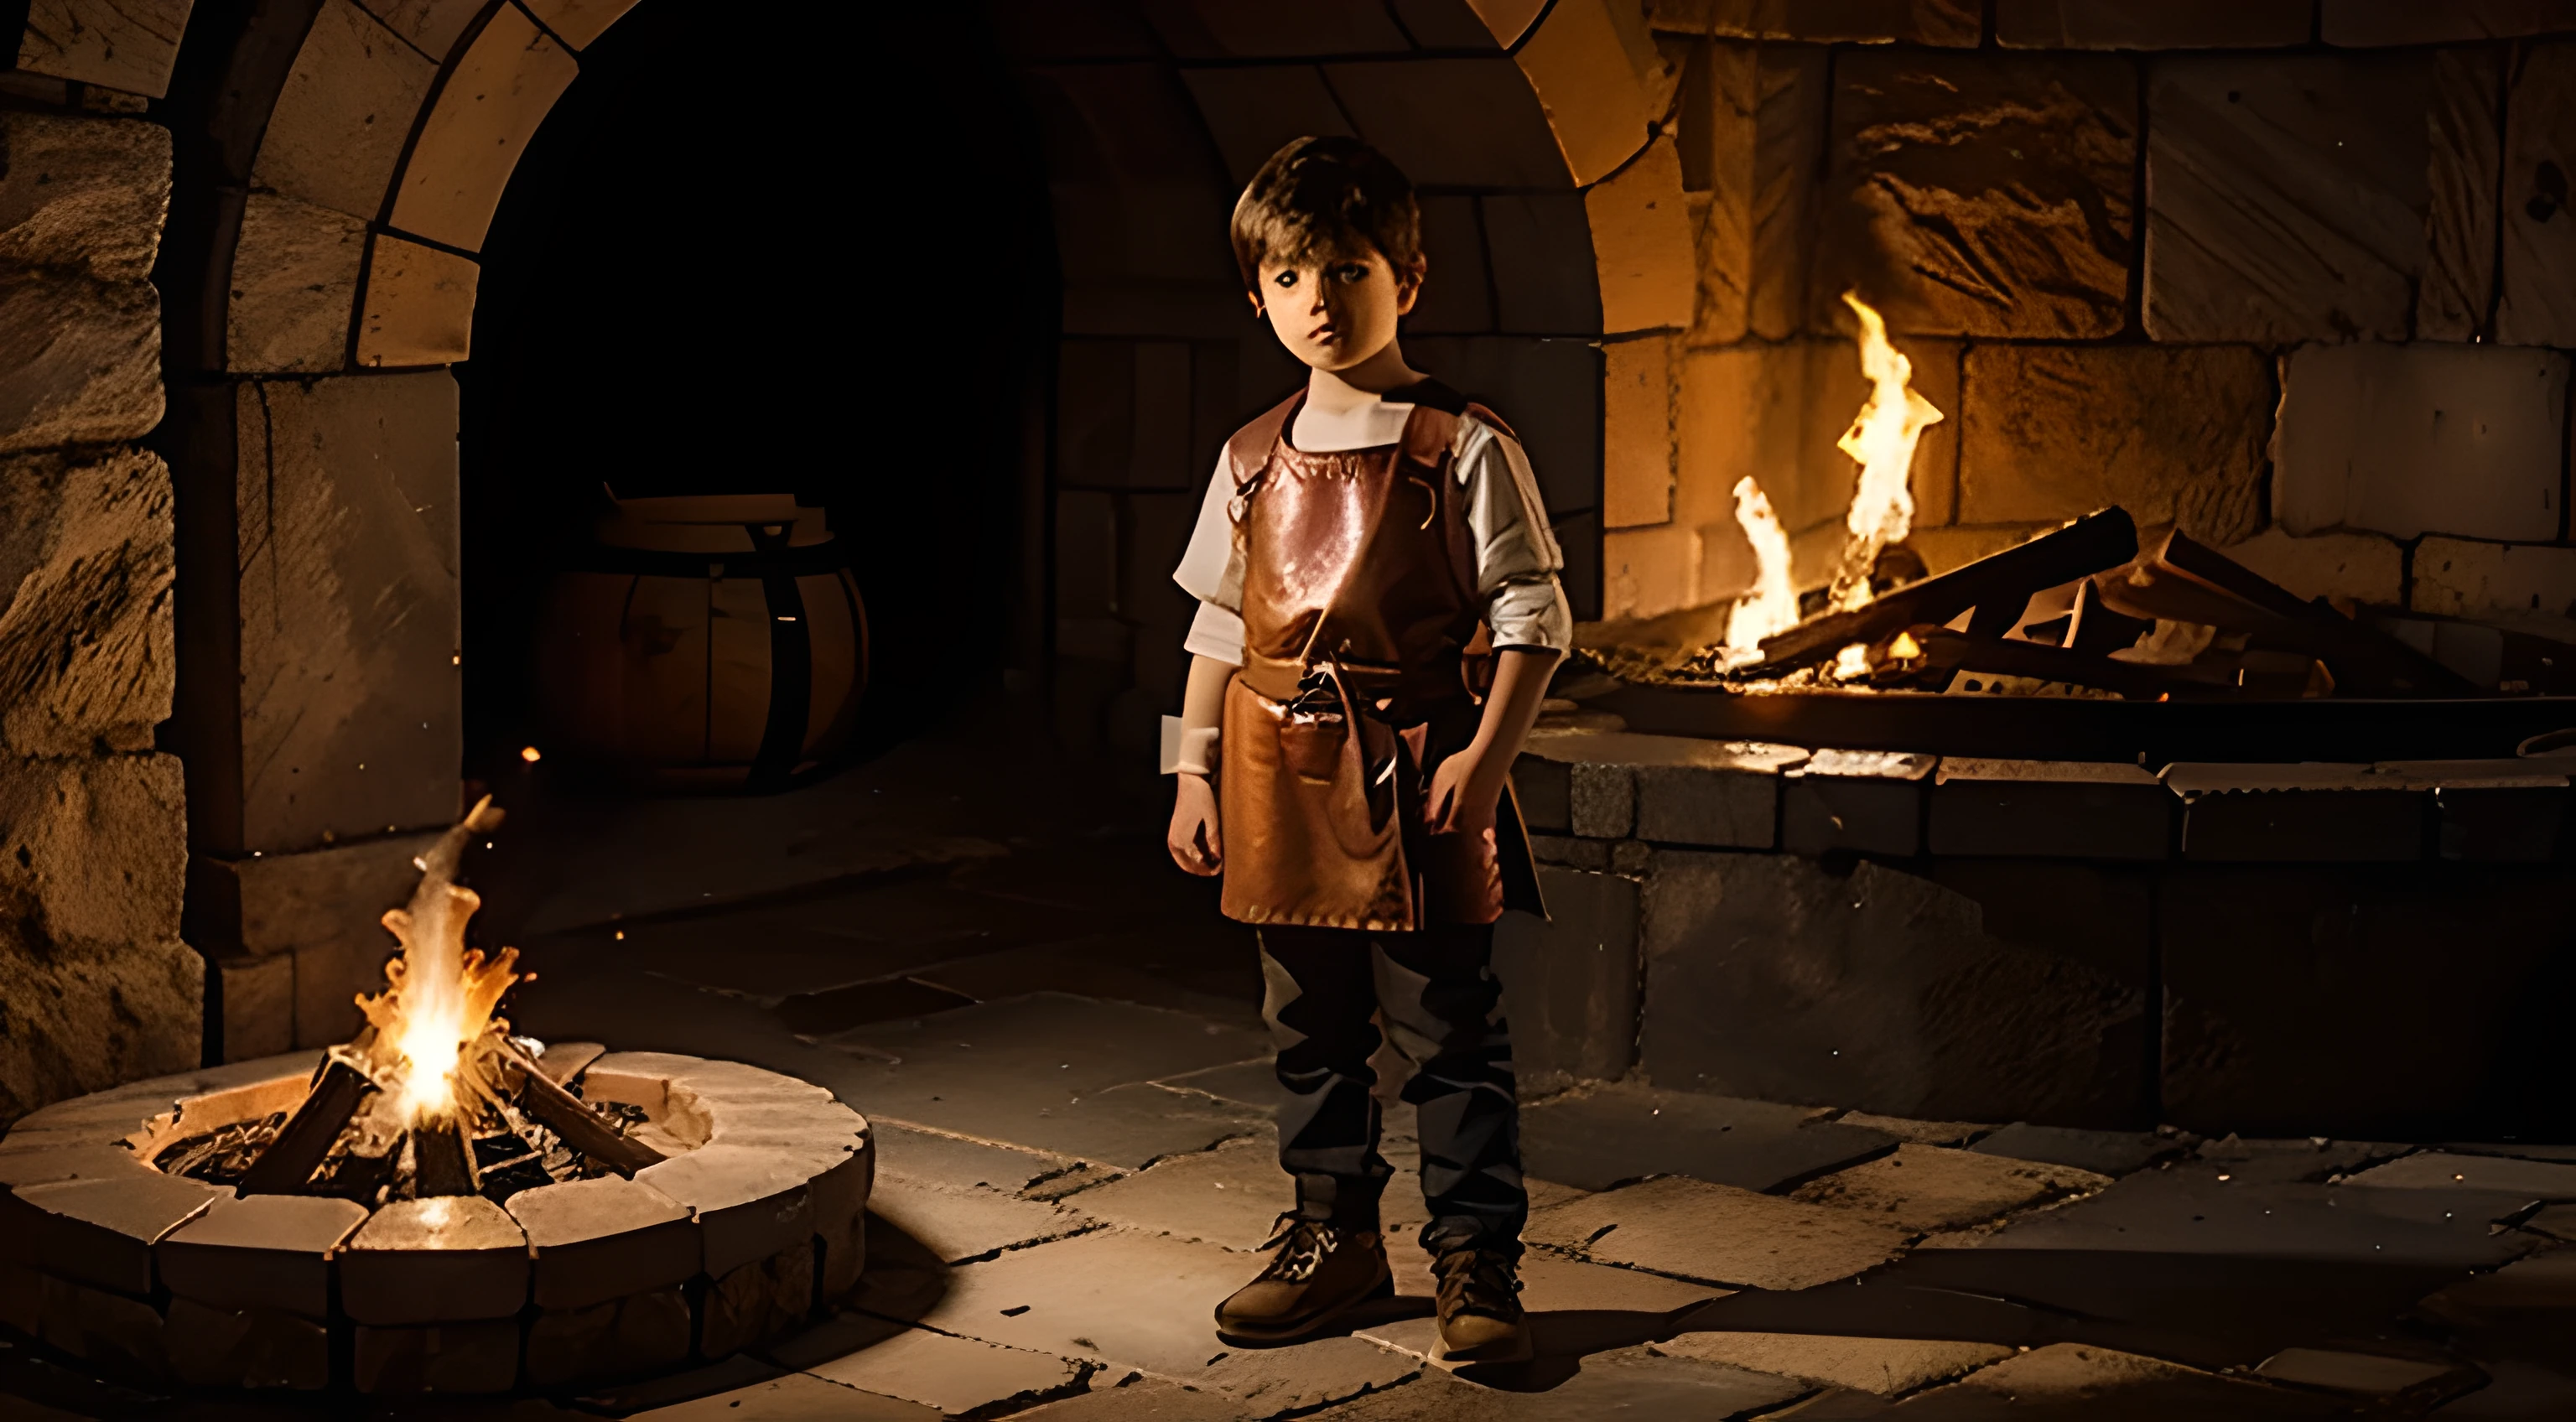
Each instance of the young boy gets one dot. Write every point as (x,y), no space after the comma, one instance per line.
(1367,553)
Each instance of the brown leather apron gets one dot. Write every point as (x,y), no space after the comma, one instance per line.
(1360,613)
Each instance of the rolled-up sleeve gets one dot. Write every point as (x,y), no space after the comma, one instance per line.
(1211,570)
(1517,557)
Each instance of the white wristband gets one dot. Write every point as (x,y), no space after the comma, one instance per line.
(1187,751)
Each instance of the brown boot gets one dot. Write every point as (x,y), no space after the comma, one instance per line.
(1320,1271)
(1480,1308)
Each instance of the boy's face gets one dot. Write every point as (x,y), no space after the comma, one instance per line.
(1335,310)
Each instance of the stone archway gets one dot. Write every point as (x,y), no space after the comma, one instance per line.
(330,169)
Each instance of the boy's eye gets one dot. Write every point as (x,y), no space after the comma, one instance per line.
(1285,279)
(1351,272)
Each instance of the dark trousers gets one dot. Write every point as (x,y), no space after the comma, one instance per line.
(1443,1010)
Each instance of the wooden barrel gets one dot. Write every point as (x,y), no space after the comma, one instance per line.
(708,642)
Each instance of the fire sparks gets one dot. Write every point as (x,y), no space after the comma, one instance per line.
(1882,439)
(439,994)
(1772,605)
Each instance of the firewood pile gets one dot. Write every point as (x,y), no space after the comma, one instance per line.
(434,1096)
(2083,611)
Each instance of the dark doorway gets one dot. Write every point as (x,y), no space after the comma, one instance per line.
(800,273)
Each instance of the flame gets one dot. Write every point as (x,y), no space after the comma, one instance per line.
(439,994)
(1904,648)
(1882,439)
(1772,605)
(1852,662)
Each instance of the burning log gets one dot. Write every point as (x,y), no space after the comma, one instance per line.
(1999,587)
(2186,581)
(568,1116)
(339,1089)
(1946,653)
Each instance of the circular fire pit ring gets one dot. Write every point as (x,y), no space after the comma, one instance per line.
(751,1221)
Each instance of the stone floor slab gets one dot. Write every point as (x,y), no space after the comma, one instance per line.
(2112,1153)
(797,1397)
(1628,1382)
(1139,1399)
(1269,1382)
(2349,1372)
(1926,1187)
(1575,1307)
(1940,1133)
(1697,1230)
(958,1225)
(2442,1170)
(1116,1296)
(1231,1195)
(1252,1083)
(956,1376)
(955,1164)
(1596,1139)
(1886,1366)
(2076,1383)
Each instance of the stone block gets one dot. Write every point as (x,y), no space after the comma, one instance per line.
(1927,1188)
(1867,802)
(2403,440)
(2363,567)
(1774,414)
(1647,572)
(1637,432)
(1752,135)
(22,1294)
(1254,111)
(255,1348)
(843,1257)
(1982,195)
(1932,22)
(1718,1234)
(85,634)
(1549,392)
(443,1358)
(2537,306)
(2048,809)
(2173,434)
(756,1302)
(1999,990)
(2495,580)
(958,1376)
(2443,1170)
(2457,296)
(750,1202)
(2172,24)
(349,609)
(1469,122)
(615,1338)
(2298,1001)
(256,999)
(2097,1152)
(294,286)
(1603,799)
(2378,22)
(1570,981)
(2308,812)
(420,305)
(1590,63)
(1544,790)
(500,89)
(347,107)
(431,26)
(260,1252)
(1642,240)
(79,359)
(596,1240)
(119,1334)
(2304,198)
(45,1157)
(1886,1366)
(1726,801)
(101,1231)
(579,23)
(440,1260)
(1540,247)
(87,194)
(315,910)
(962,1225)
(130,47)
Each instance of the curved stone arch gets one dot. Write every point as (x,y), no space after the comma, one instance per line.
(338,163)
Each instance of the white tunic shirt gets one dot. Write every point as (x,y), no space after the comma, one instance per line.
(1517,558)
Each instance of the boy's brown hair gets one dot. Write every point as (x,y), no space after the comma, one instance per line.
(1326,196)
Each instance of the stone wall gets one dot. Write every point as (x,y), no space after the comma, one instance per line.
(100,988)
(2295,277)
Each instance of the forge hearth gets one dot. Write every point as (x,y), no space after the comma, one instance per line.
(472,1211)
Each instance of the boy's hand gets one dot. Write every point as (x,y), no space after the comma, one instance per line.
(1192,838)
(1463,796)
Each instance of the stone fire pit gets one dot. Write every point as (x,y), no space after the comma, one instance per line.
(751,1223)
